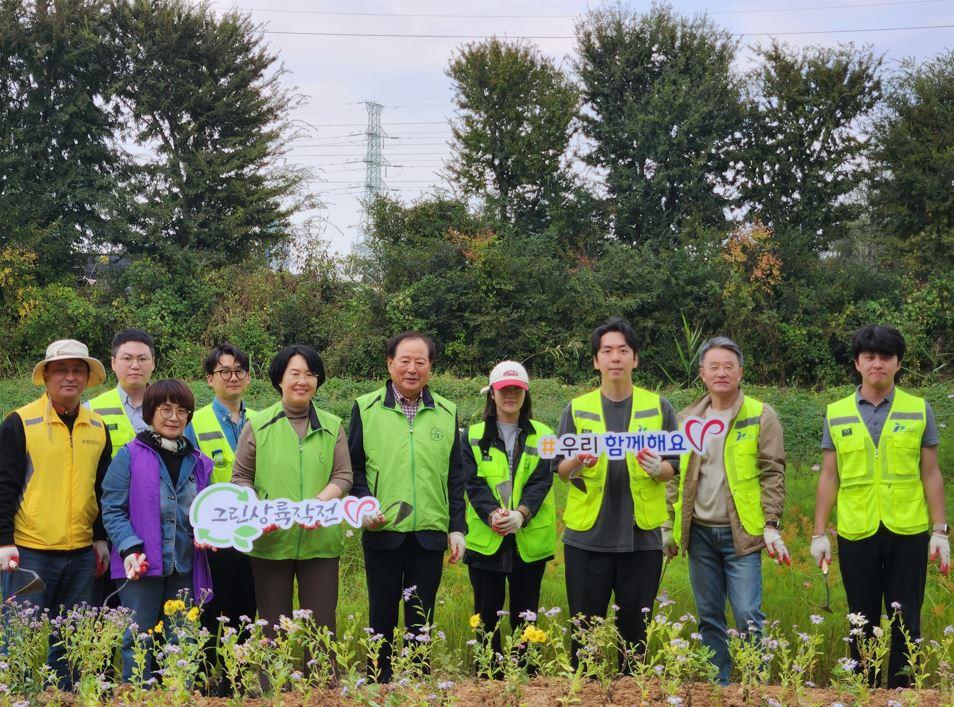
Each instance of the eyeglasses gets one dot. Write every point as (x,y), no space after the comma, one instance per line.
(226,374)
(168,413)
(129,360)
(715,367)
(296,377)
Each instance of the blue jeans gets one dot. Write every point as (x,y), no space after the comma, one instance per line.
(144,597)
(69,582)
(717,572)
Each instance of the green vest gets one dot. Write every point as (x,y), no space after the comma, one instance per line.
(740,457)
(109,406)
(213,442)
(286,467)
(537,539)
(409,462)
(649,495)
(883,484)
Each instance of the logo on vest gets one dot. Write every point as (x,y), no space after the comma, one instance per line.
(898,427)
(846,432)
(437,434)
(112,426)
(739,436)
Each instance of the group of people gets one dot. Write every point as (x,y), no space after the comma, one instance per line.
(104,490)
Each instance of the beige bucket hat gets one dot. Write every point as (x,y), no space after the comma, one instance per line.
(70,348)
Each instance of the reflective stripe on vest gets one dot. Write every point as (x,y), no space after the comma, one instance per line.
(883,484)
(109,406)
(286,467)
(740,456)
(213,443)
(649,495)
(537,539)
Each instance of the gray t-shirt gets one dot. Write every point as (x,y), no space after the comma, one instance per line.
(508,433)
(614,529)
(712,505)
(874,417)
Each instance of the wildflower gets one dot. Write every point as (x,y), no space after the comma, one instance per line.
(287,625)
(949,630)
(816,619)
(528,615)
(445,684)
(550,613)
(658,669)
(296,675)
(244,619)
(877,631)
(816,467)
(173,606)
(262,622)
(532,634)
(440,636)
(193,614)
(301,614)
(223,619)
(673,700)
(182,663)
(695,636)
(896,605)
(857,619)
(803,637)
(503,612)
(349,533)
(158,627)
(408,592)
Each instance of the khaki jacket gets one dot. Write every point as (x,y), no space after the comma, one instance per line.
(771,461)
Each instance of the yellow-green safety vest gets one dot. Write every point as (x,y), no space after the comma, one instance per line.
(537,539)
(109,406)
(883,484)
(740,456)
(213,443)
(649,495)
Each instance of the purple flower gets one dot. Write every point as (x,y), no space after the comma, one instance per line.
(409,592)
(816,619)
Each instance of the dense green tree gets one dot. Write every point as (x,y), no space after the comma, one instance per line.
(57,155)
(801,142)
(205,100)
(513,126)
(913,163)
(660,102)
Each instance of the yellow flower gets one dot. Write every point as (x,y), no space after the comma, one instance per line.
(532,634)
(193,614)
(475,621)
(173,606)
(158,627)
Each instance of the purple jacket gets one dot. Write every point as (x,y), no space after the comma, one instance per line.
(144,516)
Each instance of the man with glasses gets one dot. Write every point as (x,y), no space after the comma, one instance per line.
(53,457)
(726,505)
(214,431)
(133,361)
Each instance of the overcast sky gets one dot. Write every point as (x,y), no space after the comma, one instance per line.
(337,71)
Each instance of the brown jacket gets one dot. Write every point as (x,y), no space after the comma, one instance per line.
(771,461)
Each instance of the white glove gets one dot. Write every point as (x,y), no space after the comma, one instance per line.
(821,549)
(776,548)
(650,462)
(504,522)
(9,558)
(101,551)
(135,565)
(670,548)
(457,545)
(940,549)
(373,521)
(586,459)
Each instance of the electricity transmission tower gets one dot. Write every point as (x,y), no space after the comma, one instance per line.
(373,183)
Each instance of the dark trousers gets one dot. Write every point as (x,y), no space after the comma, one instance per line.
(490,589)
(879,571)
(233,593)
(317,588)
(390,573)
(632,578)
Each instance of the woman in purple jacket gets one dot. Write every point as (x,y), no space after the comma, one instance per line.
(147,492)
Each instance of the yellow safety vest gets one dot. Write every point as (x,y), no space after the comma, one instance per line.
(213,443)
(883,484)
(649,495)
(109,406)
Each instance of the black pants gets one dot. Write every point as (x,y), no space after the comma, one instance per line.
(878,571)
(631,577)
(390,573)
(233,594)
(490,589)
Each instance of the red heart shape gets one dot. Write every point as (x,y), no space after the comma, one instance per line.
(697,429)
(356,508)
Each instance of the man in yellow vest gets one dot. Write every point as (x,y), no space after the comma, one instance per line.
(133,361)
(53,456)
(214,431)
(615,509)
(727,502)
(880,464)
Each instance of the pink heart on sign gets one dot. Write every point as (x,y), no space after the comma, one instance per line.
(356,508)
(697,430)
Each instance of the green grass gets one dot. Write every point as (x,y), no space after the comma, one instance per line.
(790,594)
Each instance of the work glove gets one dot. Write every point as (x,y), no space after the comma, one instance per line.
(821,549)
(101,552)
(373,521)
(9,558)
(650,462)
(776,548)
(504,522)
(669,543)
(586,459)
(457,545)
(940,549)
(135,565)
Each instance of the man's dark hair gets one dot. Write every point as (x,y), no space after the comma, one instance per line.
(614,324)
(225,349)
(276,369)
(127,335)
(390,348)
(170,390)
(879,339)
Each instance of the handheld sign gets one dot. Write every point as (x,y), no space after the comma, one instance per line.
(226,515)
(693,437)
